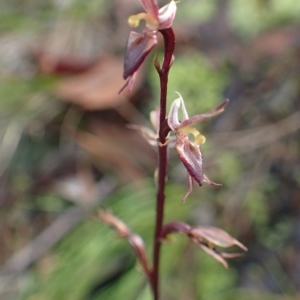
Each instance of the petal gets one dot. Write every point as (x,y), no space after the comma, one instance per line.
(201,117)
(215,236)
(167,15)
(190,189)
(138,47)
(128,83)
(207,180)
(151,7)
(184,111)
(173,120)
(149,135)
(214,254)
(231,255)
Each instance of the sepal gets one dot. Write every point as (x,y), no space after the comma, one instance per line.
(207,238)
(138,47)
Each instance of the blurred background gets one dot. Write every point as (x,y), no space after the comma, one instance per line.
(65,150)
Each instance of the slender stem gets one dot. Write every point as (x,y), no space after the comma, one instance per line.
(169,43)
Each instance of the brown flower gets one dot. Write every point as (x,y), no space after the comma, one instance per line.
(189,151)
(139,45)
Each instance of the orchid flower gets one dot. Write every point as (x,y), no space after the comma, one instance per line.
(139,45)
(189,151)
(208,238)
(134,239)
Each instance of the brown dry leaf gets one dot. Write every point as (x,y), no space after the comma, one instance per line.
(61,65)
(98,87)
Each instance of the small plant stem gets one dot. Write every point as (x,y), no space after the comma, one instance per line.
(169,44)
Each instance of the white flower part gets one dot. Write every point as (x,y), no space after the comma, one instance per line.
(173,120)
(166,15)
(184,111)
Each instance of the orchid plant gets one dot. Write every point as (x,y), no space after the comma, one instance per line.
(169,131)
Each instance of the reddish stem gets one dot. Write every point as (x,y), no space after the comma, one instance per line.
(169,44)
